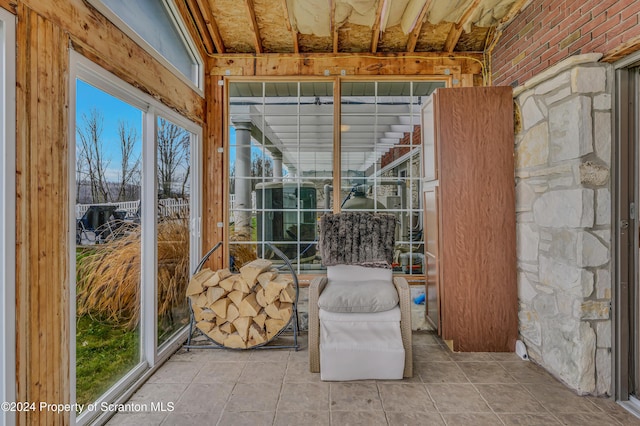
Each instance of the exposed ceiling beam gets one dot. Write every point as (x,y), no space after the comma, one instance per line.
(254,25)
(294,33)
(456,31)
(189,9)
(417,27)
(334,28)
(211,25)
(375,32)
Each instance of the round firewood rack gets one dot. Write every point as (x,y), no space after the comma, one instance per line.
(291,323)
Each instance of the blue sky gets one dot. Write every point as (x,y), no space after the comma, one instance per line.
(113,111)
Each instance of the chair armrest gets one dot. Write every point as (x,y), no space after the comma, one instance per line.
(404,294)
(315,289)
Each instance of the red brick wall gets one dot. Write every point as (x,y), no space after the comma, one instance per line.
(548,31)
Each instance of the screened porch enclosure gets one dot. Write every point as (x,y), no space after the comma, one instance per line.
(300,149)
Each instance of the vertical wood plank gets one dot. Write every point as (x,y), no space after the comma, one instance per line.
(42,251)
(213,170)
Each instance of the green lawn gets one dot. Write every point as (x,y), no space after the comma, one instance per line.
(104,353)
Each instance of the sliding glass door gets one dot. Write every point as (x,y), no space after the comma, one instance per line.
(135,226)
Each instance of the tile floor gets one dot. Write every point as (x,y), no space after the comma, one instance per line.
(274,387)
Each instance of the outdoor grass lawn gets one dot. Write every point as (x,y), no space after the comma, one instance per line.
(104,353)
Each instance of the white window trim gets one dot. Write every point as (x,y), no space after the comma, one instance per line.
(82,68)
(7,212)
(198,85)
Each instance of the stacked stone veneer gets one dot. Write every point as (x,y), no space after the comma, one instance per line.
(563,205)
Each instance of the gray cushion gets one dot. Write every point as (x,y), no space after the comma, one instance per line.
(358,296)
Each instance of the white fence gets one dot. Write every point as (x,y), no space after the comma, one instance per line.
(166,207)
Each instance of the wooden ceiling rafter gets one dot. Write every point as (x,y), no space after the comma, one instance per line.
(189,8)
(456,31)
(334,27)
(211,25)
(417,27)
(253,22)
(294,33)
(375,31)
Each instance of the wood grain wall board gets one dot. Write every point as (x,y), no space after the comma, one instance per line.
(42,193)
(477,218)
(213,172)
(95,37)
(354,64)
(10,5)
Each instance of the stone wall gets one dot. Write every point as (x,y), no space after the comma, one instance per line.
(563,205)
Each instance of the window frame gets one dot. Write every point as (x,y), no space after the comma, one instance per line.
(337,146)
(151,354)
(7,211)
(174,15)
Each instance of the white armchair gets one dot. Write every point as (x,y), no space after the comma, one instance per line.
(359,314)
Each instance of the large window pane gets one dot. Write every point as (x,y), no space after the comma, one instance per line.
(173,166)
(155,22)
(108,238)
(381,159)
(280,166)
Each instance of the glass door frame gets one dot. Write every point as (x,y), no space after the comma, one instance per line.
(150,354)
(7,211)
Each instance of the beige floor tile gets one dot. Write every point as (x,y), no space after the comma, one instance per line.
(219,372)
(299,356)
(612,408)
(191,419)
(176,372)
(263,372)
(558,399)
(249,397)
(529,419)
(440,372)
(227,355)
(414,419)
(298,372)
(457,398)
(527,372)
(471,356)
(354,397)
(204,398)
(468,419)
(485,372)
(431,353)
(358,418)
(586,419)
(140,419)
(405,397)
(158,392)
(304,397)
(269,355)
(505,356)
(247,418)
(302,418)
(193,355)
(422,339)
(504,398)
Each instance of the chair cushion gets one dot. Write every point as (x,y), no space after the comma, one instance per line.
(359,273)
(358,296)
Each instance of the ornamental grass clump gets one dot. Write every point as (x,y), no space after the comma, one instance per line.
(108,278)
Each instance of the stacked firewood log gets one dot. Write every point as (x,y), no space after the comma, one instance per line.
(242,310)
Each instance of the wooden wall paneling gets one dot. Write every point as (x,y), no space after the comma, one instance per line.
(477,218)
(214,172)
(42,250)
(352,64)
(9,5)
(102,42)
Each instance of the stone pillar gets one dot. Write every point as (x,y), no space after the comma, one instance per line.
(242,181)
(277,166)
(563,158)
